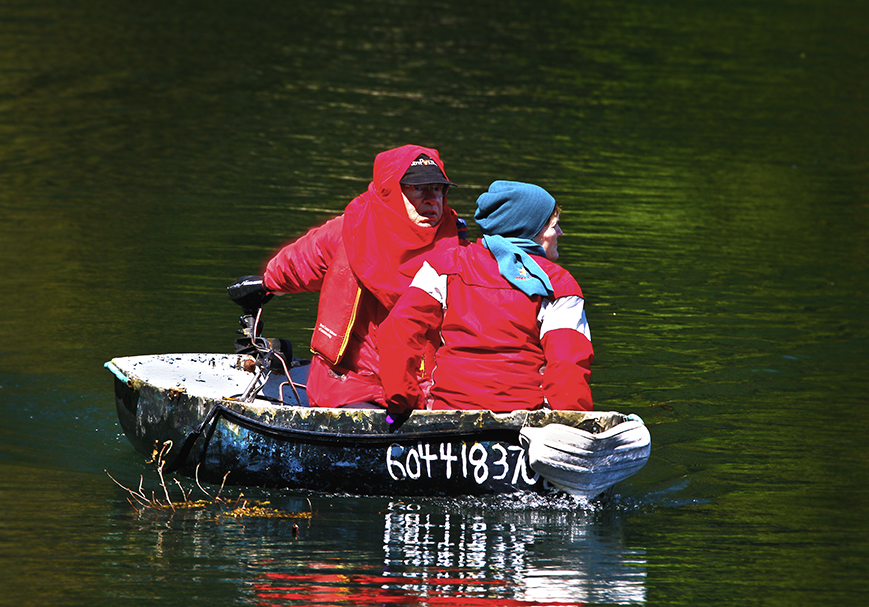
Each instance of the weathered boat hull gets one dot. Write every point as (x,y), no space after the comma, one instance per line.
(278,441)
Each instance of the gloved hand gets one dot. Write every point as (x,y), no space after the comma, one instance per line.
(249,293)
(396,420)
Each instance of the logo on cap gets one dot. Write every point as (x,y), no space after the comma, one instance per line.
(423,160)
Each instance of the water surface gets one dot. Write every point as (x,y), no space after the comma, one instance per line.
(712,164)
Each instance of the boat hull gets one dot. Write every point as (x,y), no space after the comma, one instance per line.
(275,444)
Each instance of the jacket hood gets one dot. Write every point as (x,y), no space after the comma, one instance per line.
(382,243)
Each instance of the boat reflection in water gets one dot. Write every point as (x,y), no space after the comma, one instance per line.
(458,554)
(533,556)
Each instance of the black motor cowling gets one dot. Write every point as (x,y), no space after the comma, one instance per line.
(249,293)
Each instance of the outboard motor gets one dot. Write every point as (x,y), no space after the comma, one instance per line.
(251,295)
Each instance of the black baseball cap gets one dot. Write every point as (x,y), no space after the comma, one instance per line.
(424,170)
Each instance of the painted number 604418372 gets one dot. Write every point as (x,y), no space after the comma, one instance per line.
(425,460)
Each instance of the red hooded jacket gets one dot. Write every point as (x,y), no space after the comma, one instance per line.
(384,249)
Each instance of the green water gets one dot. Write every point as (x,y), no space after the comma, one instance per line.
(712,162)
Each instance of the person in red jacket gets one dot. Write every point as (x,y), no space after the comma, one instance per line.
(361,262)
(512,322)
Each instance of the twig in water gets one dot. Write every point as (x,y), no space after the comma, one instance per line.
(161,463)
(201,488)
(183,494)
(140,501)
(219,491)
(139,495)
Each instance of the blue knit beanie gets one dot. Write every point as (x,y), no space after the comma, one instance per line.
(513,209)
(510,215)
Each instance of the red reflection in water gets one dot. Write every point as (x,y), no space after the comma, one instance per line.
(335,589)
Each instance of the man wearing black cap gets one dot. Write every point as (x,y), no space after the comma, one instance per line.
(424,187)
(361,262)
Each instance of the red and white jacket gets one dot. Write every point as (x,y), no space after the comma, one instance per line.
(501,350)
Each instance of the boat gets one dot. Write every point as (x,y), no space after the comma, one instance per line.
(244,418)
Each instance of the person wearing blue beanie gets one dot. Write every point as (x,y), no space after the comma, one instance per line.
(511,215)
(513,209)
(511,321)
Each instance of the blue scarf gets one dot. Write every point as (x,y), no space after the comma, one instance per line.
(510,214)
(516,265)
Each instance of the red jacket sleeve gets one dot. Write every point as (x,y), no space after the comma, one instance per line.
(568,356)
(566,341)
(401,341)
(301,265)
